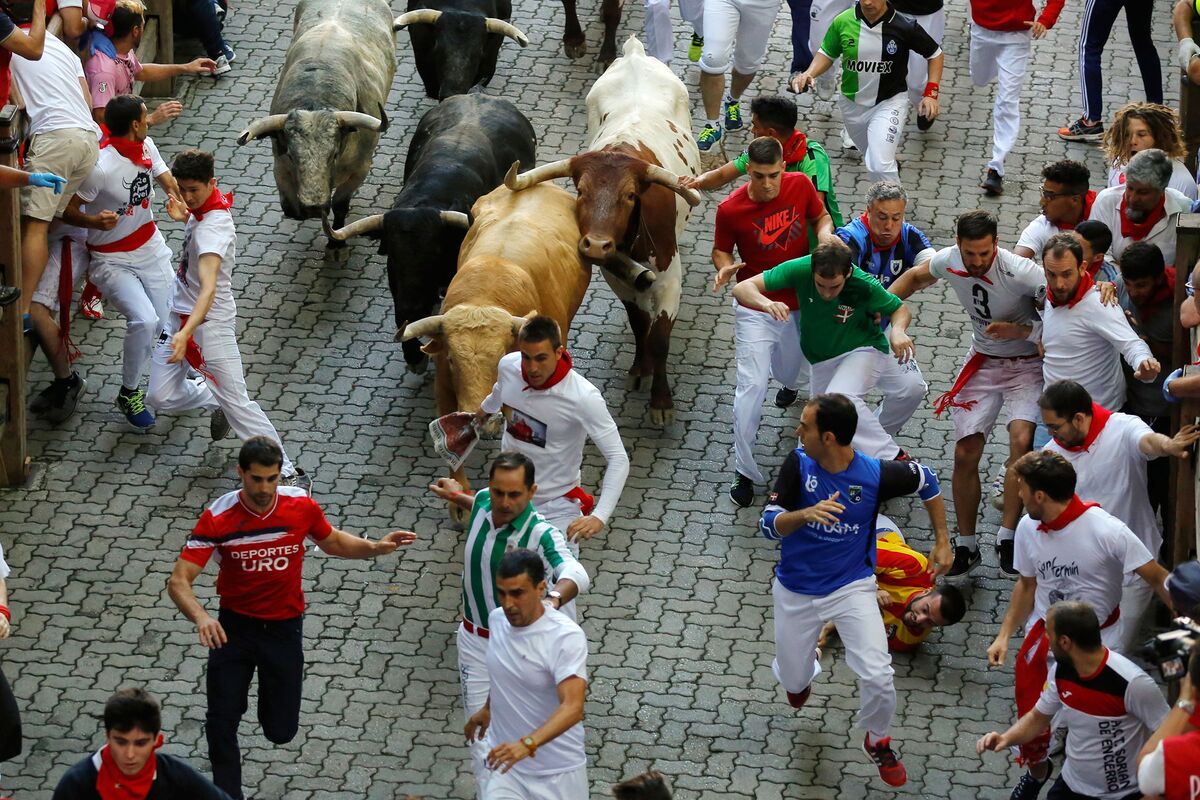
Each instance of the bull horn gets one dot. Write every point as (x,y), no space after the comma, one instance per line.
(354,120)
(507,29)
(262,127)
(422,16)
(430,326)
(456,219)
(357,228)
(546,172)
(664,177)
(519,322)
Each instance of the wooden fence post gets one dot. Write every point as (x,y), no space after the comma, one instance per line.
(1189,118)
(13,459)
(1181,531)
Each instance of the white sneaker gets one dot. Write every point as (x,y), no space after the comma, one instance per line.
(847,142)
(998,492)
(222,66)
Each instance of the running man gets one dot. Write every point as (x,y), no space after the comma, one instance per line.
(882,242)
(823,509)
(873,43)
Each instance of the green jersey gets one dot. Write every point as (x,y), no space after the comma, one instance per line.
(830,328)
(875,57)
(486,545)
(802,154)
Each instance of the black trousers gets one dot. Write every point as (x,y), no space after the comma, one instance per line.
(10,722)
(1060,791)
(276,650)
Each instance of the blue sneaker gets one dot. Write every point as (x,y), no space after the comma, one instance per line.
(733,115)
(133,406)
(707,138)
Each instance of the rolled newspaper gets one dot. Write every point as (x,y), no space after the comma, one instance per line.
(454,437)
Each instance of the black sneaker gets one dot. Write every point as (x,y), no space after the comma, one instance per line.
(1029,787)
(741,491)
(218,425)
(784,398)
(298,478)
(1005,551)
(993,184)
(1080,131)
(8,295)
(965,560)
(58,401)
(924,123)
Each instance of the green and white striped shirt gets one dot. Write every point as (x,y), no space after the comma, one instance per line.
(486,546)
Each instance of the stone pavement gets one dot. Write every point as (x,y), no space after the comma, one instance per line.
(679,616)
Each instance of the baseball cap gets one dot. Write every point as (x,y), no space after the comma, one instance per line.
(1183,584)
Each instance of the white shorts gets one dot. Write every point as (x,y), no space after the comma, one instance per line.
(512,785)
(737,30)
(999,382)
(46,293)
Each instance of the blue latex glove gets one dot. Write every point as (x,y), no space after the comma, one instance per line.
(1167,385)
(47,180)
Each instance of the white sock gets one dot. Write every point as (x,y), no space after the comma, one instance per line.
(713,123)
(968,542)
(729,99)
(1005,534)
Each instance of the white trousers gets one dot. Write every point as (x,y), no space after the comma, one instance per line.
(561,512)
(142,293)
(171,390)
(475,684)
(571,785)
(820,16)
(856,373)
(1001,56)
(918,66)
(854,610)
(737,29)
(660,37)
(1136,597)
(766,348)
(875,131)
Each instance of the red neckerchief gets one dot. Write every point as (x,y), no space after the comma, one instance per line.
(560,371)
(215,202)
(1088,199)
(1100,416)
(1085,285)
(795,148)
(112,784)
(1164,293)
(964,274)
(1072,512)
(1139,230)
(134,151)
(879,248)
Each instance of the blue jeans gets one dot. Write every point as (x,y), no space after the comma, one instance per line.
(1098,19)
(200,20)
(801,55)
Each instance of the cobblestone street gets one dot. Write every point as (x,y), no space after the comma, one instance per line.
(679,616)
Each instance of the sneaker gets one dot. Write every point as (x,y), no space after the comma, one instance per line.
(993,184)
(1004,551)
(707,138)
(847,142)
(741,491)
(222,65)
(733,115)
(798,699)
(1080,131)
(89,302)
(965,560)
(997,495)
(696,48)
(133,406)
(8,295)
(785,397)
(58,401)
(1029,787)
(218,425)
(924,123)
(298,478)
(891,769)
(230,56)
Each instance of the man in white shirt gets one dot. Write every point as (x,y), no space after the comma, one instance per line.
(1144,209)
(1083,339)
(1065,201)
(533,718)
(553,410)
(1066,549)
(1107,702)
(131,263)
(62,140)
(1000,291)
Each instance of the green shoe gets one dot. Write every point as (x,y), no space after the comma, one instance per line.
(707,138)
(696,47)
(733,116)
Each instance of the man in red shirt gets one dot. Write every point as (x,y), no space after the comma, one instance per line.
(259,535)
(768,221)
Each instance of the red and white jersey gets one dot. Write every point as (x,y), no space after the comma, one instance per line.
(1110,469)
(1110,714)
(1083,555)
(214,234)
(1008,292)
(261,556)
(117,184)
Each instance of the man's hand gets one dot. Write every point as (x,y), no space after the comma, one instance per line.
(1181,443)
(882,598)
(584,528)
(801,83)
(825,512)
(47,180)
(507,754)
(1187,51)
(477,725)
(212,635)
(997,652)
(445,488)
(692,181)
(724,274)
(990,741)
(1108,293)
(929,108)
(178,347)
(940,559)
(104,221)
(1036,28)
(829,237)
(200,66)
(176,209)
(5,627)
(902,345)
(164,113)
(1147,371)
(393,540)
(1007,330)
(777,310)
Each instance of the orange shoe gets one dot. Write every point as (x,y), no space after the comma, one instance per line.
(891,769)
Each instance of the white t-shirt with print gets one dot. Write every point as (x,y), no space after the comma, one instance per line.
(214,234)
(1008,292)
(117,184)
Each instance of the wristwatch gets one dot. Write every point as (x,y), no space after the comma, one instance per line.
(530,744)
(556,595)
(1187,705)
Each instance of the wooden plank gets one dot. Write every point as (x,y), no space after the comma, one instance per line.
(1181,532)
(162,13)
(147,53)
(13,456)
(1189,113)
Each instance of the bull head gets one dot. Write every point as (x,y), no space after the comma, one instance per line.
(429,16)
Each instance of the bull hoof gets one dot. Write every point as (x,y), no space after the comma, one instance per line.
(662,417)
(575,49)
(337,255)
(633,382)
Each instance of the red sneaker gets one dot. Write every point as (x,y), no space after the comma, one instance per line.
(89,302)
(891,769)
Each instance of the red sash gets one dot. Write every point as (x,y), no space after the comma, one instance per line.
(130,243)
(947,400)
(586,501)
(193,355)
(65,285)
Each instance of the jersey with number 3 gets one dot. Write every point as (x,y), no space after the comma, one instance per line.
(1009,292)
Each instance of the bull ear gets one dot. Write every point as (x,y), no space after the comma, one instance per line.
(435,347)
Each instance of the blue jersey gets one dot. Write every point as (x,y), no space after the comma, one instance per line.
(820,559)
(888,263)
